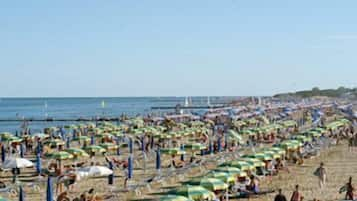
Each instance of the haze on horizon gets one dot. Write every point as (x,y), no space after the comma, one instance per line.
(184,48)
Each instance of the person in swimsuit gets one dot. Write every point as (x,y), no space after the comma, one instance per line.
(296,196)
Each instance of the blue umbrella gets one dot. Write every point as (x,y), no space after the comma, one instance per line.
(21,194)
(3,153)
(130,167)
(49,191)
(111,177)
(38,164)
(21,150)
(158,160)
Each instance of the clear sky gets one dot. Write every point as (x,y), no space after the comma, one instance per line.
(185,47)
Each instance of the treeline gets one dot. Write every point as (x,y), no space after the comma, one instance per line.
(339,92)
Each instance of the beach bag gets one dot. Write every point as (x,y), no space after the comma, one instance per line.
(317,172)
(343,189)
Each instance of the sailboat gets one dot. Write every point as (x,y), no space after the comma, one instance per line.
(208,101)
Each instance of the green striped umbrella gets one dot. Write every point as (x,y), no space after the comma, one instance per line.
(262,156)
(77,152)
(61,155)
(255,162)
(55,142)
(196,193)
(174,198)
(272,154)
(277,150)
(94,149)
(230,170)
(109,146)
(211,184)
(194,147)
(103,135)
(82,138)
(242,165)
(5,134)
(172,151)
(11,139)
(3,199)
(234,135)
(224,176)
(40,135)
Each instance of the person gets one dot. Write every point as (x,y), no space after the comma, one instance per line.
(296,196)
(280,196)
(349,190)
(322,175)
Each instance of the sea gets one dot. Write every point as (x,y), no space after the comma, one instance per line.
(73,108)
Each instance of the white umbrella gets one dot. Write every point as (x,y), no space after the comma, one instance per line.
(17,163)
(94,171)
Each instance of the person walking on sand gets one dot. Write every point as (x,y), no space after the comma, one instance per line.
(322,175)
(296,196)
(280,196)
(349,190)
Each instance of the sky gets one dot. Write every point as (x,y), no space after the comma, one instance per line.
(175,48)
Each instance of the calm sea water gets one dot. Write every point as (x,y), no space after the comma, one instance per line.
(12,108)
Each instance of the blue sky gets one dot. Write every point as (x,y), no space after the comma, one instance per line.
(179,48)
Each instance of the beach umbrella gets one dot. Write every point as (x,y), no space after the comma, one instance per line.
(194,147)
(234,135)
(230,170)
(109,146)
(94,149)
(262,156)
(94,171)
(49,191)
(273,154)
(3,199)
(174,198)
(77,152)
(277,150)
(21,194)
(242,165)
(38,163)
(255,162)
(11,163)
(61,155)
(55,142)
(81,138)
(211,184)
(172,151)
(195,193)
(223,176)
(40,135)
